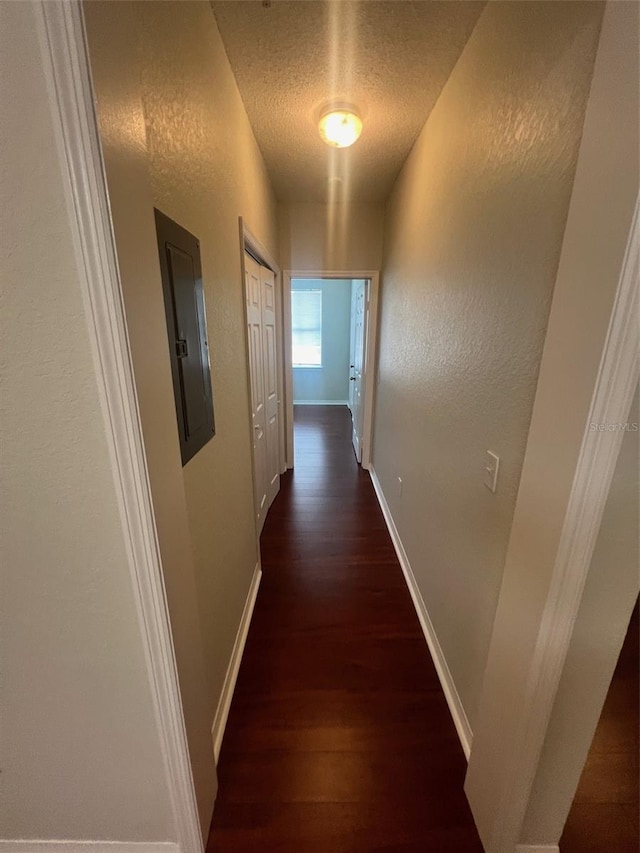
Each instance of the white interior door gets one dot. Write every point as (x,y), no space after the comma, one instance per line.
(253,289)
(352,344)
(358,307)
(270,368)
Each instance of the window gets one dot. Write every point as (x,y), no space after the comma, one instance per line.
(306,328)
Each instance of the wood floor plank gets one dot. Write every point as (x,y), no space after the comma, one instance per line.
(339,738)
(604,814)
(344,776)
(337,828)
(332,720)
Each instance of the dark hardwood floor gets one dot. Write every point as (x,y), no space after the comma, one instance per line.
(604,815)
(339,738)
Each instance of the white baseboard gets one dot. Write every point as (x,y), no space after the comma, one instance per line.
(537,848)
(320,402)
(222,712)
(448,686)
(30,846)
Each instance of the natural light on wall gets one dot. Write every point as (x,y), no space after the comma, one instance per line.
(306,328)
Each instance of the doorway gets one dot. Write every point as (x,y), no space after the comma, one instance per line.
(330,325)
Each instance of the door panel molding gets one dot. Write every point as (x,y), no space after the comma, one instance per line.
(257,396)
(274,435)
(270,376)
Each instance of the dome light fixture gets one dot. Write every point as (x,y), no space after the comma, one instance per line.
(340,126)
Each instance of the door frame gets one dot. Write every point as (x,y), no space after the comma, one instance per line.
(371,349)
(63,50)
(251,244)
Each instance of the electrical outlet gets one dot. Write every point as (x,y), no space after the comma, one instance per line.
(491,471)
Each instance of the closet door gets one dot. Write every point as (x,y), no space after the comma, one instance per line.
(269,359)
(253,291)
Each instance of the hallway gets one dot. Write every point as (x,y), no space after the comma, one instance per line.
(339,737)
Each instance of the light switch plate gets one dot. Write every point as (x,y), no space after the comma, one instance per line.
(491,471)
(399,487)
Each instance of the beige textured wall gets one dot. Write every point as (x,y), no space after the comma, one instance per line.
(206,170)
(79,751)
(176,136)
(473,235)
(600,214)
(317,237)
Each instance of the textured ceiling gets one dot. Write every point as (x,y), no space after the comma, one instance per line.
(390,59)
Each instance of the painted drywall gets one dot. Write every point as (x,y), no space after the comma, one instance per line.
(122,130)
(80,753)
(604,194)
(176,136)
(214,175)
(607,602)
(473,234)
(343,237)
(331,381)
(363,53)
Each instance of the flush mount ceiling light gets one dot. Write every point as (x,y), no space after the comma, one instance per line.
(340,126)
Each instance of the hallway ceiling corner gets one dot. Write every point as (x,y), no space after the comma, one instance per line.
(390,58)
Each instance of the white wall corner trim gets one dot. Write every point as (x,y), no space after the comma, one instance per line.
(20,846)
(222,712)
(446,680)
(537,848)
(615,386)
(64,54)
